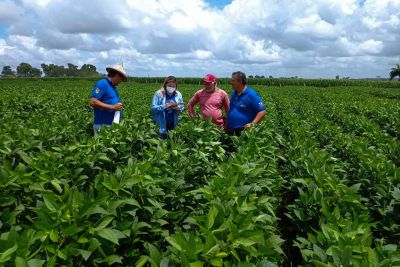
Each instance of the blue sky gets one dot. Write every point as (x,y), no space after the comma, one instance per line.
(285,38)
(3,30)
(219,3)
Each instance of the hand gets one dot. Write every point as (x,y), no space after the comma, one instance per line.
(248,125)
(170,104)
(176,107)
(117,107)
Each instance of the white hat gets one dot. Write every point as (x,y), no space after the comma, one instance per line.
(120,70)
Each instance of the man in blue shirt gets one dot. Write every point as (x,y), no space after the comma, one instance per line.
(105,98)
(246,106)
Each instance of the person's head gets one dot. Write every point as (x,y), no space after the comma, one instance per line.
(238,80)
(170,85)
(210,82)
(116,74)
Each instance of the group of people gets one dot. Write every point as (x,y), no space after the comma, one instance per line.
(244,108)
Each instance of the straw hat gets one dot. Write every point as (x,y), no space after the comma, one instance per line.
(120,70)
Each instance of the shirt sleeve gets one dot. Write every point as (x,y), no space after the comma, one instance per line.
(99,90)
(256,103)
(155,105)
(192,102)
(180,102)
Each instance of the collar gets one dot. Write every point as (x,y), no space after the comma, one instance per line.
(109,81)
(245,91)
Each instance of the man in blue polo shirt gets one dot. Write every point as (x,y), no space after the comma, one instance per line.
(246,106)
(105,99)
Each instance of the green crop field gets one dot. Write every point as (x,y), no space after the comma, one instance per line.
(316,184)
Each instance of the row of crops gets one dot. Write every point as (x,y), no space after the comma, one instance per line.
(316,184)
(225,81)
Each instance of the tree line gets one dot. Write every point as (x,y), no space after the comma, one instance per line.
(25,70)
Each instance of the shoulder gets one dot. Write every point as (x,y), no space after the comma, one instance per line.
(178,94)
(251,92)
(199,92)
(103,83)
(159,92)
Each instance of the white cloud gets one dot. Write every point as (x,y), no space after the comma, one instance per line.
(9,11)
(279,38)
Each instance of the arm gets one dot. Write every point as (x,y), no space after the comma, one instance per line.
(155,105)
(192,102)
(259,107)
(181,105)
(95,103)
(97,95)
(259,117)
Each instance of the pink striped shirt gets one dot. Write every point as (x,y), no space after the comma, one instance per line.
(210,105)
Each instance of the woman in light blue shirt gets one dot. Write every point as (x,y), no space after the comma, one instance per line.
(166,105)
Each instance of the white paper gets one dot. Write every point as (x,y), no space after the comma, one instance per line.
(117,117)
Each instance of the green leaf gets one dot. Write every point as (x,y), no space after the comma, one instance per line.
(6,255)
(173,243)
(372,257)
(111,235)
(212,251)
(54,236)
(212,214)
(196,264)
(112,259)
(35,263)
(85,254)
(104,223)
(20,262)
(142,261)
(242,241)
(51,202)
(61,254)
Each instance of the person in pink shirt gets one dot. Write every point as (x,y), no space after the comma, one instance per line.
(211,100)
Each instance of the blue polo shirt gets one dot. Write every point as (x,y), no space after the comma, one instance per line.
(107,93)
(244,108)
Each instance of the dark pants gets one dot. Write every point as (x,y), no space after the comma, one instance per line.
(235,131)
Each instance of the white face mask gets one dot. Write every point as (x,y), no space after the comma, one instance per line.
(170,90)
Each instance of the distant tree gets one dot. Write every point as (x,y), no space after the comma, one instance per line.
(337,77)
(26,70)
(7,72)
(271,77)
(88,70)
(35,72)
(251,76)
(395,72)
(72,70)
(53,70)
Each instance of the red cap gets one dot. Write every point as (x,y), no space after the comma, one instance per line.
(209,78)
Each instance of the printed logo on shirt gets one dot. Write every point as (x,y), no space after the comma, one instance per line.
(97,90)
(261,104)
(243,106)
